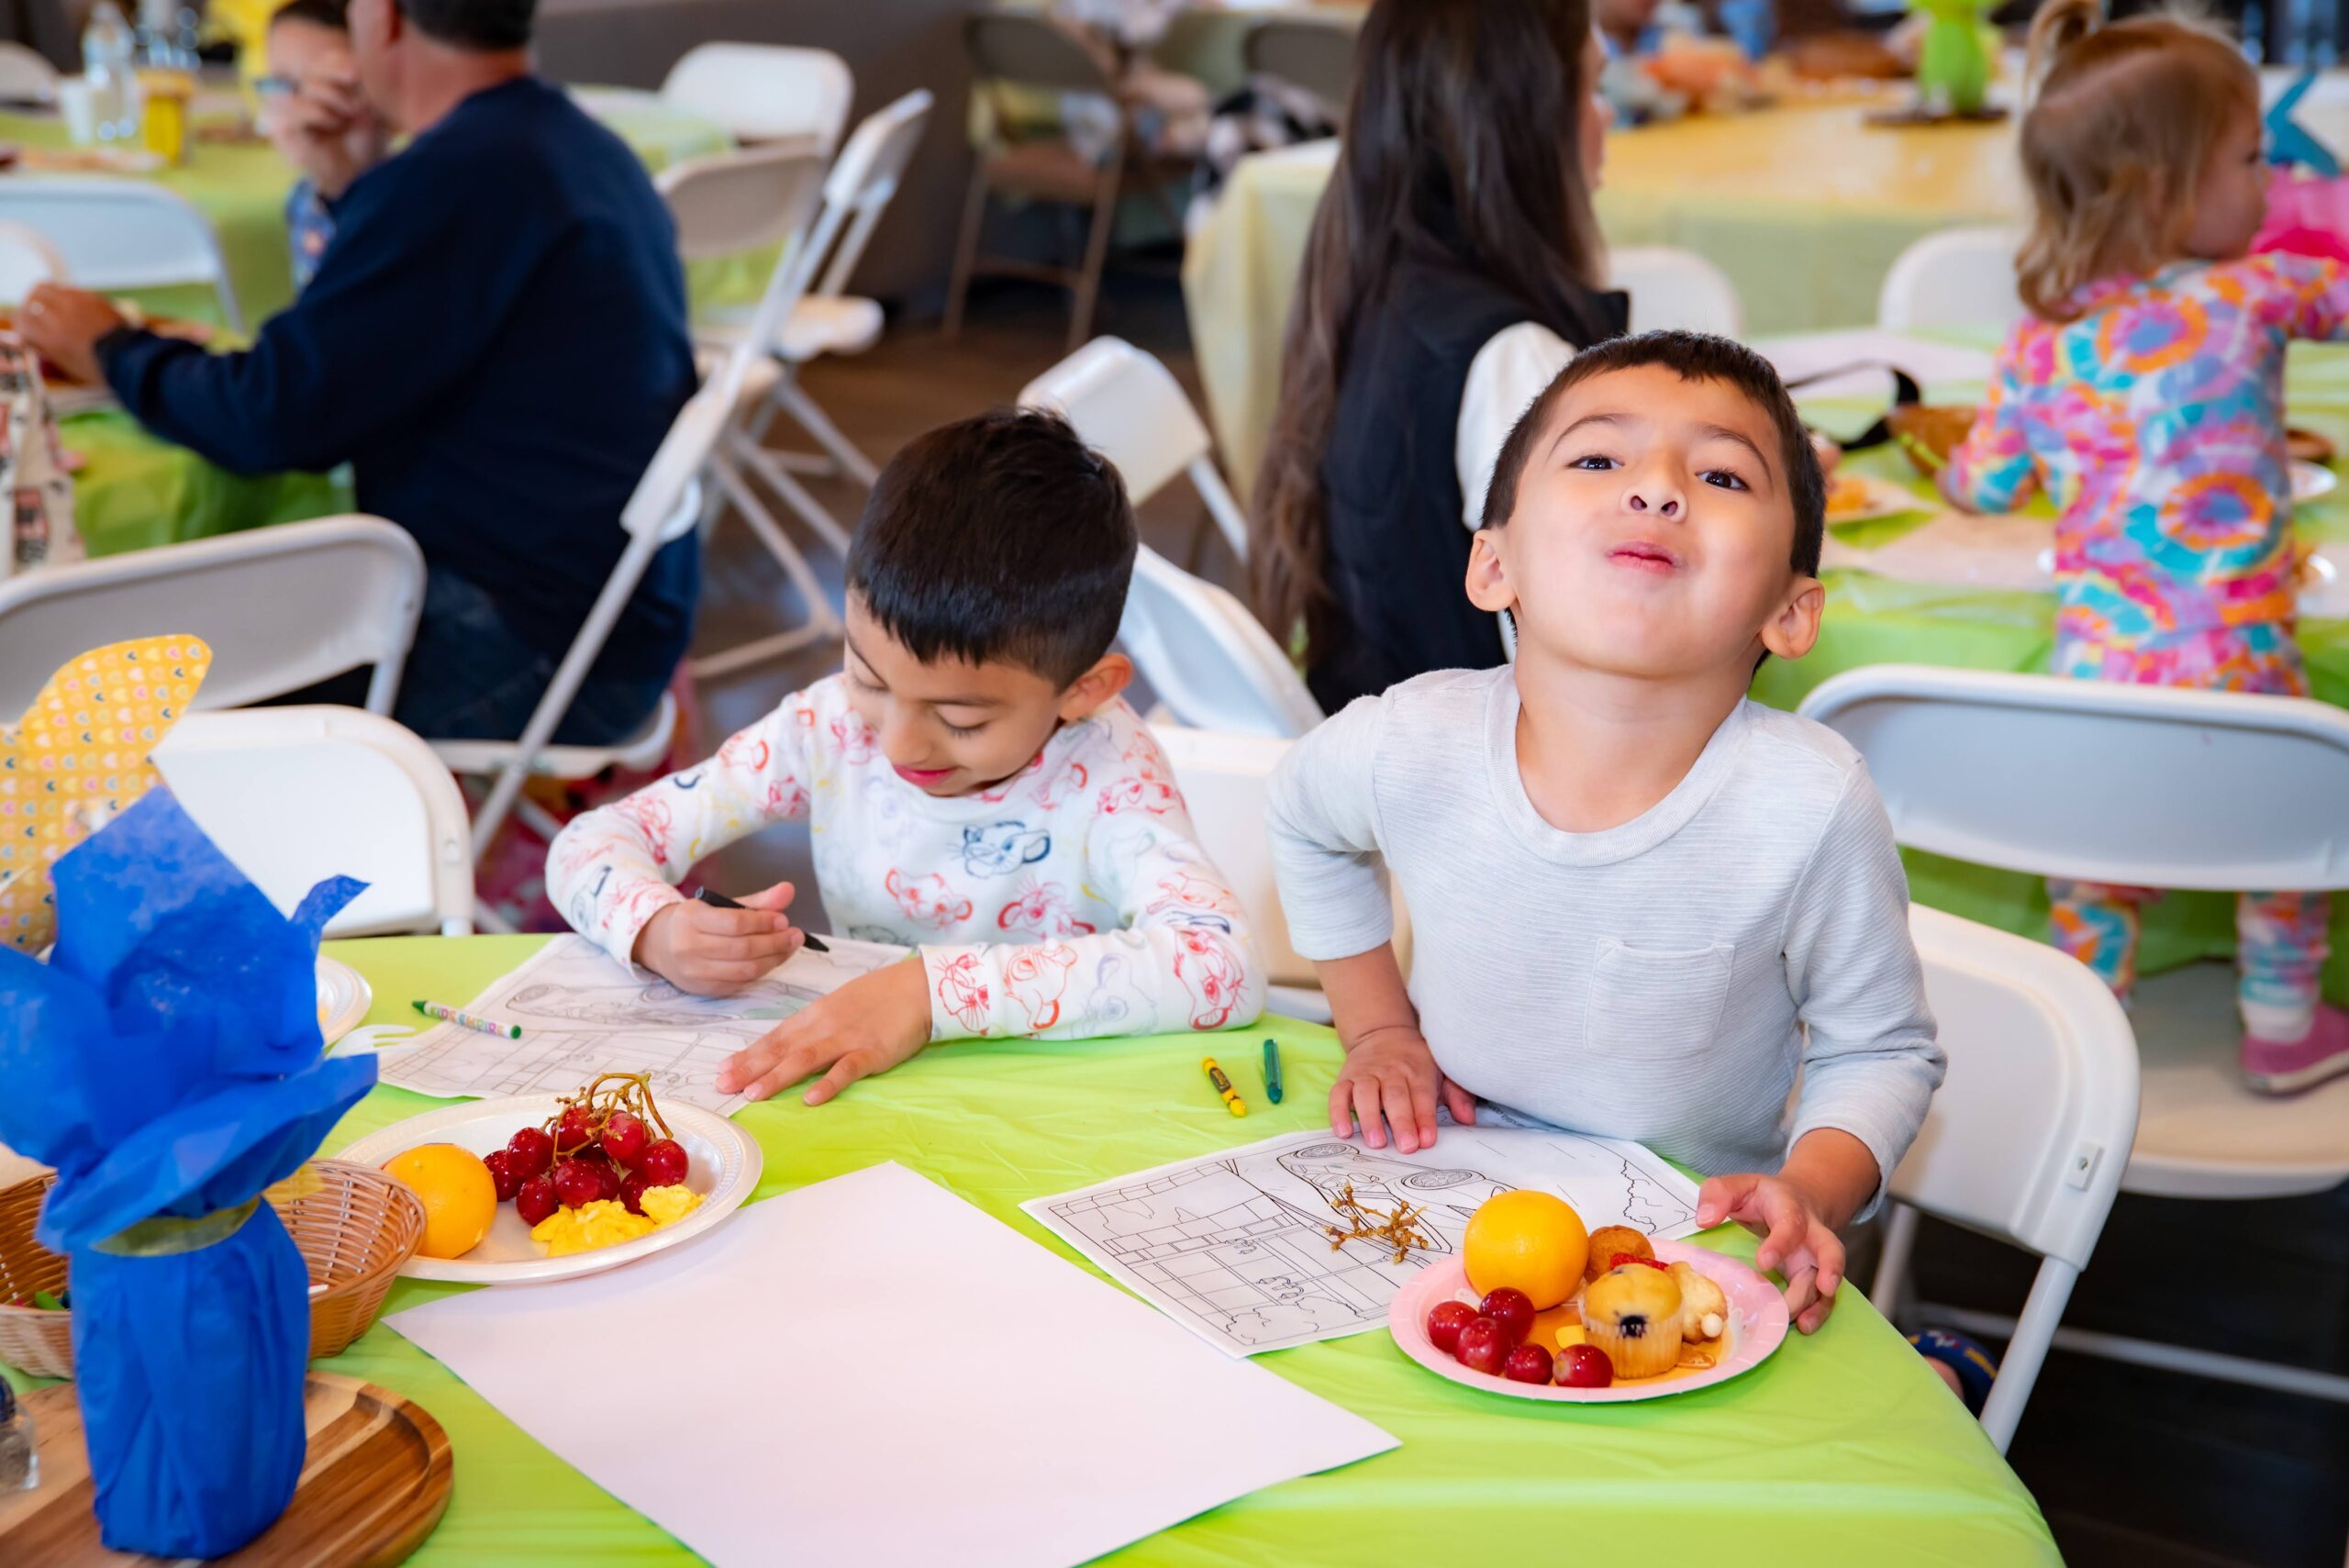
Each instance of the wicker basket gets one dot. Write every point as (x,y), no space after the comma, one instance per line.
(355,1227)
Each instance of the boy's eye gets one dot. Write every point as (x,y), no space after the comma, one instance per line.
(1596,461)
(1722,479)
(954,729)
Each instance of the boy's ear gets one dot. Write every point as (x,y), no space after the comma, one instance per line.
(1792,627)
(1488,585)
(1110,675)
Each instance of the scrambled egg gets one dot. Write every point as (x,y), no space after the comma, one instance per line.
(605,1222)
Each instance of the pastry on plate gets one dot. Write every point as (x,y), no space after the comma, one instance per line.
(1633,1314)
(1704,1309)
(1929,432)
(1609,1240)
(2307,446)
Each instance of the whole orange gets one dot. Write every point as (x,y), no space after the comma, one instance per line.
(1533,1242)
(460,1198)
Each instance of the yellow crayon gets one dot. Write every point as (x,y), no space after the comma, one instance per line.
(1223,1086)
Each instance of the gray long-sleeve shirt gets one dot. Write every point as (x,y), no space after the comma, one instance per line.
(1661,981)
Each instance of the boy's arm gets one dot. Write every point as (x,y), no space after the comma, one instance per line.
(1992,470)
(614,868)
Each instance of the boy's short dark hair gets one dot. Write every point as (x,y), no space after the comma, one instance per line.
(481,25)
(332,15)
(1692,356)
(1002,538)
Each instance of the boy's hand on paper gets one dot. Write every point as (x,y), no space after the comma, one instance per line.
(710,951)
(1390,1078)
(1797,1241)
(868,1026)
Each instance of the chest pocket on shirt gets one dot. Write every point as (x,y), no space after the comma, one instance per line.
(1655,1003)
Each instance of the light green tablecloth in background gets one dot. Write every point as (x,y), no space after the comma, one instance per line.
(137,491)
(1842,1448)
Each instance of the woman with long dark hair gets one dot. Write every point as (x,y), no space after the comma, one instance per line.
(1455,266)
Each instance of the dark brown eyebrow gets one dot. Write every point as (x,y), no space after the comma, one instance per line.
(1586,419)
(934,702)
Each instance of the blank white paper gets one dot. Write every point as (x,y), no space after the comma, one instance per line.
(871,1371)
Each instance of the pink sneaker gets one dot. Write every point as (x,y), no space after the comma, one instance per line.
(2274,1068)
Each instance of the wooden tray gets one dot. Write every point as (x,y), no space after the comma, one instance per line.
(374,1484)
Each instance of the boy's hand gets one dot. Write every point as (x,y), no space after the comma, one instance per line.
(714,952)
(1391,1070)
(868,1026)
(1796,1238)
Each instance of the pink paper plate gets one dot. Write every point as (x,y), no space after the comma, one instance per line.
(1757,1316)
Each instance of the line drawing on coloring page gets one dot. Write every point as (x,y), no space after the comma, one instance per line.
(1237,1246)
(582,1014)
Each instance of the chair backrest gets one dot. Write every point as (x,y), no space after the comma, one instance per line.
(297,794)
(1680,289)
(1959,277)
(1029,51)
(1129,407)
(122,234)
(2099,781)
(283,608)
(1207,659)
(26,258)
(1223,779)
(26,75)
(764,92)
(865,177)
(1315,56)
(731,201)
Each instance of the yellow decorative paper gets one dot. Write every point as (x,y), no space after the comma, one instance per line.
(79,756)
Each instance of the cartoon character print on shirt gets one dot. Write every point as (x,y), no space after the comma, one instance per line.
(1034,978)
(1114,994)
(649,809)
(1000,848)
(1041,910)
(1148,787)
(884,819)
(1186,900)
(855,741)
(1212,973)
(1064,780)
(927,900)
(962,991)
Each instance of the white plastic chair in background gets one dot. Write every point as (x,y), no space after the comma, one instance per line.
(26,75)
(1960,277)
(283,608)
(766,91)
(1212,665)
(297,794)
(123,234)
(2028,1132)
(1128,406)
(2116,784)
(1223,779)
(26,258)
(1676,289)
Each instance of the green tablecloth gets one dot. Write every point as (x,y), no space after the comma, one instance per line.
(137,491)
(1842,1448)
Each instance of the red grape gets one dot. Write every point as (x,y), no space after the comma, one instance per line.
(533,1151)
(625,1138)
(632,1192)
(1484,1347)
(502,1174)
(1584,1366)
(1445,1320)
(1513,1310)
(1527,1363)
(576,1183)
(536,1199)
(664,1164)
(573,1129)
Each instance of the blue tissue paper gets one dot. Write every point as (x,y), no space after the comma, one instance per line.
(167,1060)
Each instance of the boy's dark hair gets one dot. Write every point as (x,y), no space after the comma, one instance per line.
(999,538)
(332,15)
(481,25)
(1692,356)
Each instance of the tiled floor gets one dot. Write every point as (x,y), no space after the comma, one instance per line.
(2135,1468)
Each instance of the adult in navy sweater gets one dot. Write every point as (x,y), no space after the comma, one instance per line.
(496,342)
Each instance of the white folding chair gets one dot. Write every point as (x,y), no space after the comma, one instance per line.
(283,608)
(1959,277)
(2028,1132)
(1212,665)
(1676,289)
(26,258)
(26,75)
(297,794)
(1223,779)
(123,234)
(816,316)
(766,91)
(1128,406)
(2115,783)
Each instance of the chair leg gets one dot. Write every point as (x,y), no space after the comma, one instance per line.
(1892,1264)
(1097,257)
(770,468)
(966,249)
(2019,1368)
(816,423)
(764,523)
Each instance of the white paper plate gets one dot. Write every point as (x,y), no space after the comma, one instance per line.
(726,1164)
(1884,499)
(2311,480)
(343,999)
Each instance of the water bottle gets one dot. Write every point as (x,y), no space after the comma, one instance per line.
(108,51)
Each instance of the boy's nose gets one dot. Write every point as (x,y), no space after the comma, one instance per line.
(1651,498)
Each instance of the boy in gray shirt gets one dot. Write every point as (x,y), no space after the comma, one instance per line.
(1641,902)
